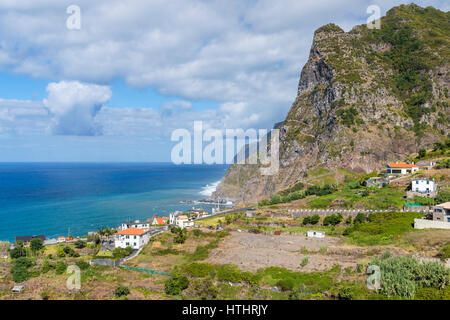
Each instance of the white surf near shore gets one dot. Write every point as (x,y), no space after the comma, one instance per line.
(208,190)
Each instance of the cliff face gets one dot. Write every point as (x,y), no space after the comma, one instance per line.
(364,97)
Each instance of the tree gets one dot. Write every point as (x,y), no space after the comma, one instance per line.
(176,284)
(360,218)
(422,153)
(121,291)
(36,244)
(80,244)
(18,252)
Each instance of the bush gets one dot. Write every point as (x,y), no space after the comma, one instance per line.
(444,252)
(199,269)
(121,291)
(46,266)
(80,244)
(205,289)
(18,252)
(346,293)
(401,276)
(360,218)
(19,274)
(332,220)
(61,267)
(119,253)
(311,219)
(176,284)
(19,269)
(83,265)
(36,244)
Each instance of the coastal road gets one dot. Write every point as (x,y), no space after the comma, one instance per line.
(225,212)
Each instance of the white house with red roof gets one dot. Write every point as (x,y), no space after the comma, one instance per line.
(132,237)
(160,221)
(402,168)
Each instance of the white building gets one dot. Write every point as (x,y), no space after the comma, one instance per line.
(135,224)
(423,185)
(131,237)
(315,234)
(173,216)
(183,221)
(402,168)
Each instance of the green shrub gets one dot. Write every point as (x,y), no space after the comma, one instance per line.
(18,252)
(83,265)
(36,244)
(176,284)
(80,244)
(444,252)
(61,267)
(333,219)
(119,253)
(121,291)
(401,276)
(199,269)
(304,262)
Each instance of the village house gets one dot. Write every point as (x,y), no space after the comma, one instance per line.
(183,221)
(315,234)
(402,168)
(375,182)
(27,239)
(135,224)
(173,216)
(131,237)
(441,212)
(198,212)
(426,164)
(160,221)
(424,187)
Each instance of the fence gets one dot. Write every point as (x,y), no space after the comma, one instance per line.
(107,262)
(146,270)
(351,212)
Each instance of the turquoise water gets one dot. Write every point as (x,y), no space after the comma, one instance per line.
(50,198)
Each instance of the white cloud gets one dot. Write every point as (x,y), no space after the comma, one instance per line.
(244,55)
(74,106)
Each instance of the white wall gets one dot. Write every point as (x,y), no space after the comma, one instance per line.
(430,224)
(421,185)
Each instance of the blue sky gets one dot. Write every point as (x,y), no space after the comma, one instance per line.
(115,89)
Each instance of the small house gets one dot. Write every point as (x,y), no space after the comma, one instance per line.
(375,182)
(250,213)
(183,221)
(159,221)
(135,224)
(315,234)
(17,289)
(441,212)
(402,168)
(131,237)
(423,186)
(426,164)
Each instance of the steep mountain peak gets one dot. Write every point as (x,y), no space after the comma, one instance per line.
(364,97)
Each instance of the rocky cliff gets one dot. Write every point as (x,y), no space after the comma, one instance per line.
(365,97)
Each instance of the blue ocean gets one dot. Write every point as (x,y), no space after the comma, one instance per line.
(57,198)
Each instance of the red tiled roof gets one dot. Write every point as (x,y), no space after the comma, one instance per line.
(160,220)
(132,232)
(402,165)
